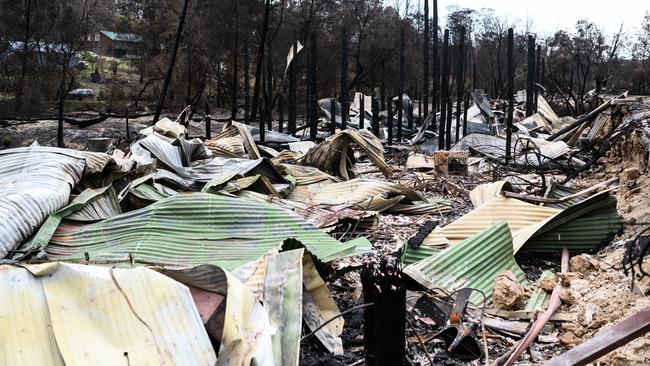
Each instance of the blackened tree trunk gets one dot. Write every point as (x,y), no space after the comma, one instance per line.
(400,99)
(313,71)
(28,23)
(345,91)
(260,60)
(444,86)
(247,81)
(436,65)
(460,79)
(530,81)
(511,92)
(170,68)
(291,127)
(235,59)
(425,87)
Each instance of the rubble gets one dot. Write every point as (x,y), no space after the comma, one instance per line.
(263,244)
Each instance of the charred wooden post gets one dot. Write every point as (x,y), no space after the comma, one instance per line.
(291,124)
(208,122)
(409,115)
(420,96)
(333,116)
(170,68)
(390,121)
(383,87)
(424,101)
(247,86)
(385,322)
(444,86)
(362,111)
(467,96)
(542,72)
(269,88)
(538,62)
(400,93)
(511,93)
(375,117)
(280,111)
(436,67)
(313,68)
(307,69)
(128,133)
(530,77)
(460,78)
(345,91)
(450,105)
(373,93)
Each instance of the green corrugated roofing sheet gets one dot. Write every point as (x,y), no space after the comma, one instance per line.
(192,229)
(474,262)
(582,227)
(410,255)
(122,37)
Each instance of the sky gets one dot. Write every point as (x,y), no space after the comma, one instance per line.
(550,15)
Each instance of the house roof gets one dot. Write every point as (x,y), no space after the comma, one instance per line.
(122,37)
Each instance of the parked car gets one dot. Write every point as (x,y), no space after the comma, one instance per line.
(82,93)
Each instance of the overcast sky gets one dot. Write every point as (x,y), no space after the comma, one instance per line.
(549,15)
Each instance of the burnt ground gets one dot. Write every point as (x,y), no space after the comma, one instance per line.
(602,295)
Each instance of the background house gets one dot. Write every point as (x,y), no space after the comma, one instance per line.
(118,44)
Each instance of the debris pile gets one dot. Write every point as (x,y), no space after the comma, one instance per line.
(230,251)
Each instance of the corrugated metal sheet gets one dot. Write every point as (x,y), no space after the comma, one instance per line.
(65,314)
(98,208)
(320,217)
(36,181)
(474,263)
(334,154)
(560,191)
(410,255)
(193,229)
(581,227)
(599,123)
(366,194)
(517,214)
(539,299)
(306,175)
(487,192)
(172,157)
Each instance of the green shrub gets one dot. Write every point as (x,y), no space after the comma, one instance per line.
(5,141)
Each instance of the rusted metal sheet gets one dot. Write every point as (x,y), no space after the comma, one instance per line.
(606,341)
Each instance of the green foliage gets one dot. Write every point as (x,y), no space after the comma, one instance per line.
(6,141)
